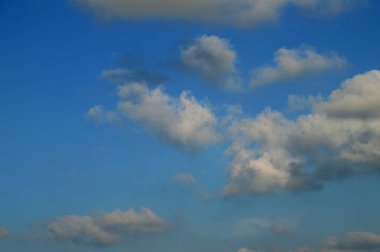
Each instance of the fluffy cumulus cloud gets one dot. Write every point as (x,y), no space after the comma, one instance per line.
(358,98)
(214,59)
(182,122)
(272,152)
(4,233)
(290,64)
(354,242)
(105,229)
(233,12)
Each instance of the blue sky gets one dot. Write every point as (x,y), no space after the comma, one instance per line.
(175,125)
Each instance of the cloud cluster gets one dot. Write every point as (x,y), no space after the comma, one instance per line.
(354,242)
(4,232)
(105,229)
(231,12)
(290,64)
(214,59)
(335,140)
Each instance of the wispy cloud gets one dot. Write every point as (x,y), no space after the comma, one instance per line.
(105,229)
(184,179)
(353,241)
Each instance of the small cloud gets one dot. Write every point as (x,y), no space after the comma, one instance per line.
(247,250)
(292,64)
(213,59)
(98,114)
(282,229)
(4,233)
(184,179)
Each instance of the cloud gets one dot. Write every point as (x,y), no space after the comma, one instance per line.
(4,233)
(328,8)
(273,153)
(304,249)
(182,122)
(301,103)
(231,12)
(214,59)
(354,241)
(98,114)
(123,76)
(358,98)
(184,179)
(105,229)
(280,228)
(247,250)
(291,64)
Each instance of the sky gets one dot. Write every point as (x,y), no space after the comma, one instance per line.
(189,126)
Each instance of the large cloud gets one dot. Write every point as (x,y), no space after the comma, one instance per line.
(214,59)
(236,12)
(354,241)
(290,64)
(272,153)
(105,229)
(182,122)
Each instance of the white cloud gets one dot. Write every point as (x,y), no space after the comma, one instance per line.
(4,232)
(232,12)
(272,153)
(290,64)
(354,242)
(183,121)
(184,178)
(214,59)
(359,98)
(105,229)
